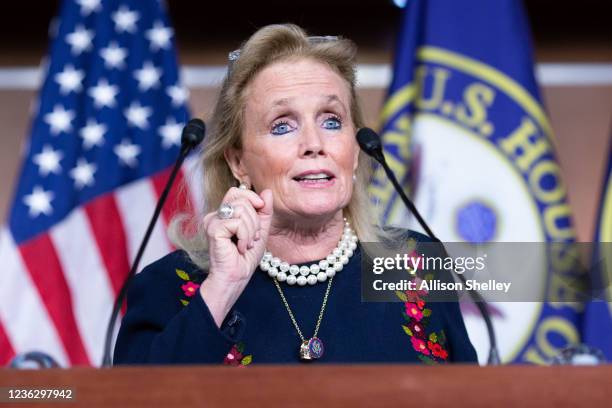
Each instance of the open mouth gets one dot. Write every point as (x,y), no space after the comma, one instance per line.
(315,178)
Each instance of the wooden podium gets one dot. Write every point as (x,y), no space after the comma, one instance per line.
(321,386)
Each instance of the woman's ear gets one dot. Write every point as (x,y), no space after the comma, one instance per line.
(233,157)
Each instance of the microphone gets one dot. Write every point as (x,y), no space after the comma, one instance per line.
(579,354)
(370,143)
(193,134)
(33,359)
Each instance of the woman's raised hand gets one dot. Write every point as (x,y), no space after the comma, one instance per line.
(235,247)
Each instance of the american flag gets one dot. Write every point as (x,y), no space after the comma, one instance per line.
(106,128)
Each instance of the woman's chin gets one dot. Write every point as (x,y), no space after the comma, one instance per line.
(314,209)
(317,201)
(316,190)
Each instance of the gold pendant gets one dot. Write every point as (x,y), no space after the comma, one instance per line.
(311,349)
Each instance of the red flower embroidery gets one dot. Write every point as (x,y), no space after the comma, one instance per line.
(190,288)
(419,345)
(416,294)
(411,296)
(437,350)
(236,358)
(414,311)
(233,358)
(429,345)
(417,329)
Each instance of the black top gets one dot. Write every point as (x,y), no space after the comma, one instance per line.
(167,321)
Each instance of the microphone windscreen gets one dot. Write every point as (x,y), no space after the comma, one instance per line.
(193,133)
(369,141)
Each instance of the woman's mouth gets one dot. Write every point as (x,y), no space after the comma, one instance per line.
(315,179)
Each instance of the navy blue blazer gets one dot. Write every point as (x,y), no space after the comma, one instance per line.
(168,322)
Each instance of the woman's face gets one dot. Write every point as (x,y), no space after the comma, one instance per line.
(299,138)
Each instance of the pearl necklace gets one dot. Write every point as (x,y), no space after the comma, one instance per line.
(317,272)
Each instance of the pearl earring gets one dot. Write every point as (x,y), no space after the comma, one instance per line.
(354,177)
(243,186)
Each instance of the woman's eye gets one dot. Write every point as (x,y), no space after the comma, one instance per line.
(332,123)
(281,128)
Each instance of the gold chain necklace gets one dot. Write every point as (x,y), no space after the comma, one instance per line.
(312,348)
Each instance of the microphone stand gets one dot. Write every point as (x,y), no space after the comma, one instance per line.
(369,142)
(193,133)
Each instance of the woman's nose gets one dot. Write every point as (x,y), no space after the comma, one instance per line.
(312,143)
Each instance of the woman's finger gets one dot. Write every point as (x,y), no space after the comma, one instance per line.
(242,211)
(219,229)
(235,193)
(265,213)
(250,212)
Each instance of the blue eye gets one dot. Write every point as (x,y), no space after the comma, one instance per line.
(332,123)
(281,128)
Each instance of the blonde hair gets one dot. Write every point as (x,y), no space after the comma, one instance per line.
(268,45)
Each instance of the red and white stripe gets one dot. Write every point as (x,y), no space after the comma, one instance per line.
(24,319)
(133,201)
(57,289)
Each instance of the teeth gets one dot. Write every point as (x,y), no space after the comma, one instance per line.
(315,176)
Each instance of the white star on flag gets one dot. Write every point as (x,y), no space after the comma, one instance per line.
(113,55)
(83,174)
(93,134)
(171,133)
(178,94)
(138,115)
(148,76)
(159,36)
(80,40)
(39,202)
(89,6)
(104,94)
(125,20)
(48,161)
(70,80)
(127,153)
(60,120)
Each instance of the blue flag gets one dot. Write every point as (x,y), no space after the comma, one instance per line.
(464,129)
(106,128)
(597,325)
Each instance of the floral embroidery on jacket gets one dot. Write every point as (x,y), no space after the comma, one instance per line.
(236,356)
(430,346)
(190,288)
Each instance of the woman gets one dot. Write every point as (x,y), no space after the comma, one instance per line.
(273,272)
